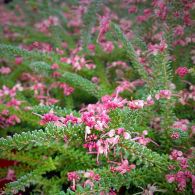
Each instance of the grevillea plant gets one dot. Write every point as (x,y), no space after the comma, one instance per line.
(97,97)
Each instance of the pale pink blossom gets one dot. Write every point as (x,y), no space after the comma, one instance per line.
(179,30)
(18,60)
(54,66)
(166,94)
(5,70)
(132,9)
(126,135)
(107,46)
(124,167)
(103,27)
(136,104)
(157,48)
(49,117)
(181,124)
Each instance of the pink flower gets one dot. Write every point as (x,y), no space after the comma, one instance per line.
(49,117)
(73,176)
(44,25)
(12,120)
(120,131)
(125,85)
(124,167)
(89,182)
(59,51)
(163,94)
(175,135)
(78,62)
(6,91)
(92,175)
(66,89)
(89,119)
(119,64)
(102,147)
(157,48)
(144,140)
(181,124)
(91,47)
(6,120)
(181,180)
(90,146)
(181,71)
(193,184)
(187,20)
(179,30)
(149,101)
(112,103)
(192,130)
(72,119)
(126,135)
(111,133)
(54,66)
(5,112)
(95,80)
(103,27)
(50,101)
(107,46)
(183,163)
(18,60)
(90,66)
(175,155)
(56,74)
(5,70)
(136,104)
(11,175)
(132,9)
(113,140)
(170,178)
(64,45)
(65,60)
(162,10)
(14,103)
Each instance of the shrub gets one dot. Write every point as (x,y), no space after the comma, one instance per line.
(103,84)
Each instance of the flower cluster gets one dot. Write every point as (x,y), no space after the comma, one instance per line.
(78,62)
(44,25)
(90,178)
(5,70)
(182,71)
(187,95)
(157,48)
(6,119)
(8,96)
(183,176)
(122,167)
(181,124)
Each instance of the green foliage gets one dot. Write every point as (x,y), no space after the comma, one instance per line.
(130,51)
(34,138)
(30,178)
(40,109)
(83,84)
(13,50)
(145,155)
(89,20)
(40,67)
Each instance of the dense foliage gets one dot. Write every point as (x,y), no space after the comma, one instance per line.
(97,97)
